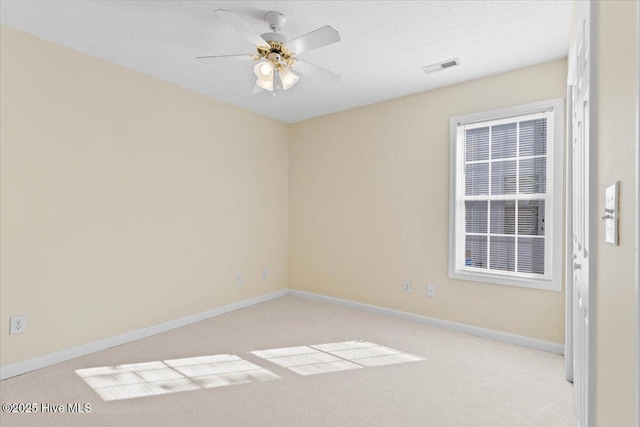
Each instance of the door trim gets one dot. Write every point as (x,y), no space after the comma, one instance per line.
(637,361)
(593,208)
(590,399)
(568,242)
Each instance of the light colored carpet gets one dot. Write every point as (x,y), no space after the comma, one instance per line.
(297,362)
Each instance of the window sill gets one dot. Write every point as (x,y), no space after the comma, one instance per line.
(495,279)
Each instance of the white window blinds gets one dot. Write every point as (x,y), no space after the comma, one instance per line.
(503,196)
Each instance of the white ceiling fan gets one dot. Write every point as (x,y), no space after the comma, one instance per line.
(276,56)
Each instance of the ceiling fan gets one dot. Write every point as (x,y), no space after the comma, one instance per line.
(276,56)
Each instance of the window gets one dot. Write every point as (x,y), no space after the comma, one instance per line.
(506,196)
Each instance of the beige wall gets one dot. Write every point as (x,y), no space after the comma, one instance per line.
(127,201)
(616,84)
(369,197)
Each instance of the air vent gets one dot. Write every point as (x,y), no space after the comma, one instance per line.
(441,65)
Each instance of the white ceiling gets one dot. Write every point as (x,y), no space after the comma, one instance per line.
(384,43)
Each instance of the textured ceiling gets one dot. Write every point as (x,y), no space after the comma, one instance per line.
(384,43)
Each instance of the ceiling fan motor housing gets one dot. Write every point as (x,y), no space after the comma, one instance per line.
(276,52)
(274,37)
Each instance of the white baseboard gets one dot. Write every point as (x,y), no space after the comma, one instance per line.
(445,324)
(71,353)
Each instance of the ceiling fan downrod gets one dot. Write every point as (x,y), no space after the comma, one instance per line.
(275,20)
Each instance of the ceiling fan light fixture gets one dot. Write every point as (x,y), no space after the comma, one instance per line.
(265,84)
(263,71)
(288,78)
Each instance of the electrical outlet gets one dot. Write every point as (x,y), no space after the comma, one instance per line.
(431,290)
(265,273)
(239,279)
(18,324)
(407,286)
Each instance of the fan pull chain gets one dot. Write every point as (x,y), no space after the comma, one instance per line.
(275,82)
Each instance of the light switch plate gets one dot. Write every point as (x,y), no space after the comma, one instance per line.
(611,213)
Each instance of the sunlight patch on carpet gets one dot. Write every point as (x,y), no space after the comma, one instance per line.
(172,376)
(332,357)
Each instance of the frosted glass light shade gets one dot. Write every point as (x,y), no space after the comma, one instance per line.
(265,84)
(263,71)
(287,77)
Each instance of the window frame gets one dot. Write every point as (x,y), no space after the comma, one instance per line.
(552,279)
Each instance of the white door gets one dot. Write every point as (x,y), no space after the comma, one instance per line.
(580,57)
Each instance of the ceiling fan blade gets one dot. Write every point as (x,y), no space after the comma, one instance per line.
(225,59)
(313,40)
(314,71)
(240,26)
